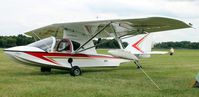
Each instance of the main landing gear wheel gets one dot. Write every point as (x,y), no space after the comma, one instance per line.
(45,69)
(75,71)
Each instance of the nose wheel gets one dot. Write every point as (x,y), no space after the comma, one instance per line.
(75,70)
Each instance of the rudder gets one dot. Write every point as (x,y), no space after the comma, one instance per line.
(139,44)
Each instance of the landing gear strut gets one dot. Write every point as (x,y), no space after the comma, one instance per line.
(75,70)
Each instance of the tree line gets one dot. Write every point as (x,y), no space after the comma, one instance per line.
(10,41)
(104,43)
(164,45)
(178,45)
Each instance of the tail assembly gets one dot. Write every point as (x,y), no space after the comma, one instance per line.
(141,46)
(137,47)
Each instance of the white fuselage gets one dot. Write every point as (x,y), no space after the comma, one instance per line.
(37,57)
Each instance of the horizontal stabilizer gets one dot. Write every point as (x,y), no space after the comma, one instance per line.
(157,52)
(123,54)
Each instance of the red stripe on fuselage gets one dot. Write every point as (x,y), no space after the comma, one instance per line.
(44,55)
(41,56)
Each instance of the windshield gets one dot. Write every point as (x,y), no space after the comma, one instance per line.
(46,44)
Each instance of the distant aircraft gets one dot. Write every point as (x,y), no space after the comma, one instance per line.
(171,52)
(196,82)
(70,46)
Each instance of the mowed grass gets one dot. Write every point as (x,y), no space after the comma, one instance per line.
(174,75)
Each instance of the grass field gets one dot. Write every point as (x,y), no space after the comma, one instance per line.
(174,75)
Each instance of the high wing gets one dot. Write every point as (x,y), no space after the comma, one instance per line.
(121,26)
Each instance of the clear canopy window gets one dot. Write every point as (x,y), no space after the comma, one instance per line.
(44,44)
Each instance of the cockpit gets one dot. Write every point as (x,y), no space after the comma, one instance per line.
(64,46)
(51,44)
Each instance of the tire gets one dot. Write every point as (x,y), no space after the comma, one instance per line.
(48,69)
(45,69)
(75,71)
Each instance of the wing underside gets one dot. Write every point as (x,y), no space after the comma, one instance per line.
(122,27)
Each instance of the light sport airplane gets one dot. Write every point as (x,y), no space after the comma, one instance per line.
(70,46)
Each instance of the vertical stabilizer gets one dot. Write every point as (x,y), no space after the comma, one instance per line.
(139,44)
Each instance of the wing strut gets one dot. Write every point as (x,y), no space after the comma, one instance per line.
(117,38)
(93,37)
(36,35)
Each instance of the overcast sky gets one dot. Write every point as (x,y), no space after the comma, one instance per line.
(19,16)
